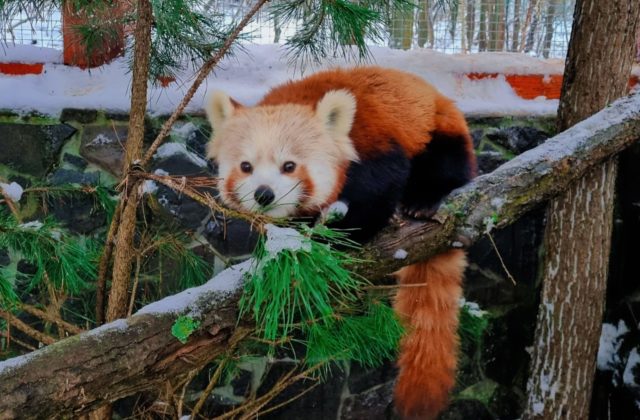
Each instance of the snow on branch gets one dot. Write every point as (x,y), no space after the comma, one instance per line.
(118,359)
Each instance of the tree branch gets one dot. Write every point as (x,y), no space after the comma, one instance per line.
(123,357)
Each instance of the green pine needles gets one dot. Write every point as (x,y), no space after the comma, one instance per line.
(336,27)
(301,291)
(64,261)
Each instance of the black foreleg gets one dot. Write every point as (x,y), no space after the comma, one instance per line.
(372,192)
(446,164)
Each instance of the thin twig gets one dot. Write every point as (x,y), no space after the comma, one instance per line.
(285,381)
(504,267)
(136,280)
(11,205)
(188,185)
(395,286)
(31,332)
(207,391)
(289,401)
(11,339)
(45,316)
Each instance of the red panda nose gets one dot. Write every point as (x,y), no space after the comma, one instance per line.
(264,195)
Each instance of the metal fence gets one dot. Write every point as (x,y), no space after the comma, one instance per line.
(536,27)
(34,27)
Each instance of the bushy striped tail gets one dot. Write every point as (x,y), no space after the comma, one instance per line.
(428,353)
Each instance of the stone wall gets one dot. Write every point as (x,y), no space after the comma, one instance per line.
(86,147)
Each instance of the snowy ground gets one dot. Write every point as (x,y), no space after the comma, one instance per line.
(248,76)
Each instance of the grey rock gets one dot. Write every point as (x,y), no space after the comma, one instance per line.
(189,212)
(362,379)
(231,237)
(518,139)
(69,176)
(104,146)
(465,409)
(32,149)
(489,161)
(476,136)
(83,116)
(376,403)
(74,160)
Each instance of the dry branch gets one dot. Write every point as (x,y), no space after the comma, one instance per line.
(121,358)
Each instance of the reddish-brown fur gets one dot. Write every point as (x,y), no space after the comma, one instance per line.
(396,106)
(401,107)
(428,353)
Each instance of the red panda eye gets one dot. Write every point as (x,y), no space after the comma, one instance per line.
(246,167)
(288,167)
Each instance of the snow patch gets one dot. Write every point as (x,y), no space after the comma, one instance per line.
(161,172)
(457,244)
(149,187)
(99,140)
(35,225)
(13,191)
(15,362)
(246,77)
(538,408)
(472,308)
(170,149)
(633,361)
(29,54)
(400,254)
(226,281)
(497,203)
(281,239)
(117,325)
(182,131)
(610,342)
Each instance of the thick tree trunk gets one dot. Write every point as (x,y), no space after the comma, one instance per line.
(80,373)
(578,233)
(577,242)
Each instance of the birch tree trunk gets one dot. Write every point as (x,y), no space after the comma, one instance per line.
(578,231)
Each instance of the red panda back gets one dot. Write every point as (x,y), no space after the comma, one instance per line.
(391,106)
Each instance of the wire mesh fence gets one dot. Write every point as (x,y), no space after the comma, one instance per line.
(536,27)
(33,26)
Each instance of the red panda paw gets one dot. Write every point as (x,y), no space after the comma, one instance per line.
(420,213)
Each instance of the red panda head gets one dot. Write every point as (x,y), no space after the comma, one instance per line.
(282,160)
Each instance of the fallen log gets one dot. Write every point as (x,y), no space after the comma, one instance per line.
(118,359)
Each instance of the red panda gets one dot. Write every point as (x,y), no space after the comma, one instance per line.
(378,140)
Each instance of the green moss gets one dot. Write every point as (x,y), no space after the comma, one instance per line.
(482,391)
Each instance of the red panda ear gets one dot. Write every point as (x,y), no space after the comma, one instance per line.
(336,110)
(219,108)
